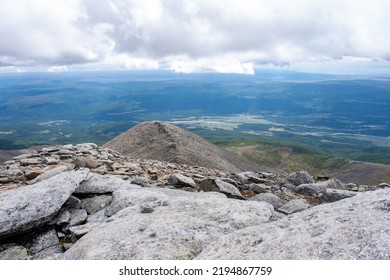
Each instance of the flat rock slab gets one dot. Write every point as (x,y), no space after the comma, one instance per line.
(166,224)
(32,206)
(102,184)
(352,228)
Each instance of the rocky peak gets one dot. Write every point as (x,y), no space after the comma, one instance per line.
(167,142)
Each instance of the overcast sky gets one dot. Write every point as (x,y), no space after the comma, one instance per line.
(231,36)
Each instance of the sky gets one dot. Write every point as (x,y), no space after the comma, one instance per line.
(187,36)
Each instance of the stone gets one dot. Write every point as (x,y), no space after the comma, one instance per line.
(332,195)
(42,243)
(95,204)
(141,181)
(181,181)
(97,217)
(48,174)
(318,189)
(102,184)
(383,186)
(181,229)
(81,230)
(30,161)
(63,218)
(217,185)
(124,198)
(294,206)
(259,188)
(33,173)
(87,162)
(51,161)
(77,217)
(299,178)
(355,228)
(87,146)
(270,198)
(72,203)
(13,252)
(33,206)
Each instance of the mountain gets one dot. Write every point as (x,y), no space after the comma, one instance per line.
(167,142)
(77,202)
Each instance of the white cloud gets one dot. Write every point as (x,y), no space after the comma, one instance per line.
(124,61)
(57,69)
(192,35)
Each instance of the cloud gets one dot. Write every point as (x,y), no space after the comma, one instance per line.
(57,69)
(191,35)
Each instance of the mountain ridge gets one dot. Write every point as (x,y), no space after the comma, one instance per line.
(164,141)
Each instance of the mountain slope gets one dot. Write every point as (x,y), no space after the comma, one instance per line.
(167,142)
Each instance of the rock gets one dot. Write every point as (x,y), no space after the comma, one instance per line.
(318,189)
(63,218)
(259,188)
(87,162)
(133,197)
(51,161)
(95,204)
(270,198)
(383,186)
(99,184)
(248,193)
(77,217)
(180,181)
(332,195)
(42,244)
(33,173)
(87,146)
(30,161)
(353,228)
(32,206)
(141,181)
(72,203)
(81,230)
(97,217)
(48,174)
(13,252)
(217,185)
(299,178)
(181,229)
(294,206)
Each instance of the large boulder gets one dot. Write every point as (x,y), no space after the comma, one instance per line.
(166,224)
(217,185)
(299,178)
(352,228)
(32,206)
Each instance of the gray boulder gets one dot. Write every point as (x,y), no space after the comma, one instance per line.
(32,206)
(217,185)
(181,181)
(332,195)
(353,228)
(179,229)
(270,198)
(299,178)
(43,244)
(294,206)
(95,204)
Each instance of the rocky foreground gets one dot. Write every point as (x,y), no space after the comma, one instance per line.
(88,202)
